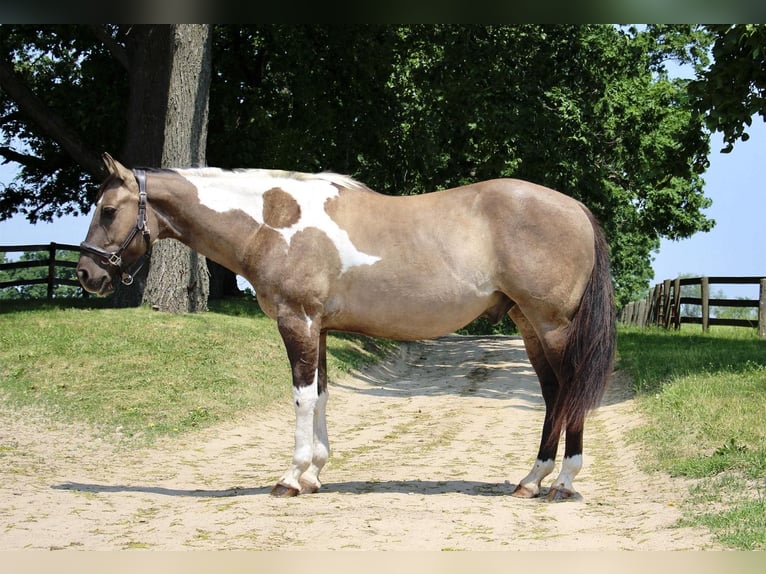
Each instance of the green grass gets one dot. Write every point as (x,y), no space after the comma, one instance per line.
(148,374)
(705,397)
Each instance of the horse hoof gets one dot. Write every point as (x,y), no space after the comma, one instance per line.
(309,489)
(282,491)
(524,492)
(557,494)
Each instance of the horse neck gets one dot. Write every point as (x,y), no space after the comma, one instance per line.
(180,216)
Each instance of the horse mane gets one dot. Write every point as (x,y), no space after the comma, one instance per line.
(328,176)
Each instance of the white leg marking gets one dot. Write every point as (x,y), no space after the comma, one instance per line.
(532,481)
(305,400)
(569,469)
(310,479)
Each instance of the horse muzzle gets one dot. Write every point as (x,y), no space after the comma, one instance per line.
(94,278)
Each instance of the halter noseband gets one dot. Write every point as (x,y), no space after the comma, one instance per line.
(114,258)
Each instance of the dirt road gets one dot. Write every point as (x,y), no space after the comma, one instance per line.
(426,449)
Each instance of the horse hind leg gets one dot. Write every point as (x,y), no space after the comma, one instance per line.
(543,355)
(529,486)
(562,488)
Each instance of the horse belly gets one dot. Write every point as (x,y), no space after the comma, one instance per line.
(412,316)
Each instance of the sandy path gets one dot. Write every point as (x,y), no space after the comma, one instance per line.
(424,447)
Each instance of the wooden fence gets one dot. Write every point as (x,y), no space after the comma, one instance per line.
(663,305)
(51,279)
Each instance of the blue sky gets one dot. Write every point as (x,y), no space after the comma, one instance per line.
(735,182)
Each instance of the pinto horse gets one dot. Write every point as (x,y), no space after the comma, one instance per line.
(326,253)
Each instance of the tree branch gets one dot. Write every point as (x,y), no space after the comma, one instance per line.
(29,160)
(48,122)
(115,48)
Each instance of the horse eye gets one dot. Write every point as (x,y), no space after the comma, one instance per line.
(108,212)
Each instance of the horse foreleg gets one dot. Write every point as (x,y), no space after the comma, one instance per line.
(309,480)
(305,399)
(301,338)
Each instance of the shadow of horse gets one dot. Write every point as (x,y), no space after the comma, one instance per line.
(422,487)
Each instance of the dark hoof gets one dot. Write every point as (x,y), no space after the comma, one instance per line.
(561,494)
(282,491)
(523,492)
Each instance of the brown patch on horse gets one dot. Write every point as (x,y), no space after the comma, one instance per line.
(280,208)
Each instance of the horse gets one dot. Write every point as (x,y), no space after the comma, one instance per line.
(326,253)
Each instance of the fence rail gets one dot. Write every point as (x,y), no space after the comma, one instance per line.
(51,280)
(664,304)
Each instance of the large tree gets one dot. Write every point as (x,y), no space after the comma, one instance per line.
(169,79)
(71,92)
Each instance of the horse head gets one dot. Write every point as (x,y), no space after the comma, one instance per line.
(118,236)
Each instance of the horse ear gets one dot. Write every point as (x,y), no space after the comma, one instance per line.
(114,167)
(109,163)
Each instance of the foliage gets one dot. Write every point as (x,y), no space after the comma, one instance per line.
(585,109)
(483,326)
(705,396)
(733,89)
(39,272)
(78,83)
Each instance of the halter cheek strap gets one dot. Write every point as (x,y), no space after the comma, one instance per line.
(114,258)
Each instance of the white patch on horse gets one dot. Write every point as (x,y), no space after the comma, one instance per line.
(305,402)
(541,469)
(570,466)
(224,191)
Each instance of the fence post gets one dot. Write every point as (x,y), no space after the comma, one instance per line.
(677,303)
(51,269)
(762,309)
(647,309)
(629,313)
(705,294)
(668,303)
(655,311)
(670,313)
(640,313)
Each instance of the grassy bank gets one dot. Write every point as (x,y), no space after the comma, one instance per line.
(142,374)
(705,396)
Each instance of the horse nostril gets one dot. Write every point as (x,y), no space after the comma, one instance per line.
(82,275)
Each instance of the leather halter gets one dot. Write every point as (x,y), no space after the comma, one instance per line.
(114,258)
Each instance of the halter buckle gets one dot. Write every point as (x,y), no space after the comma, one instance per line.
(115,259)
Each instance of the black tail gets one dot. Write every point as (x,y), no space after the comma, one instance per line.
(588,359)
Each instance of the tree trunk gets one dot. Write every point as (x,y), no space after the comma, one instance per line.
(167,127)
(223,282)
